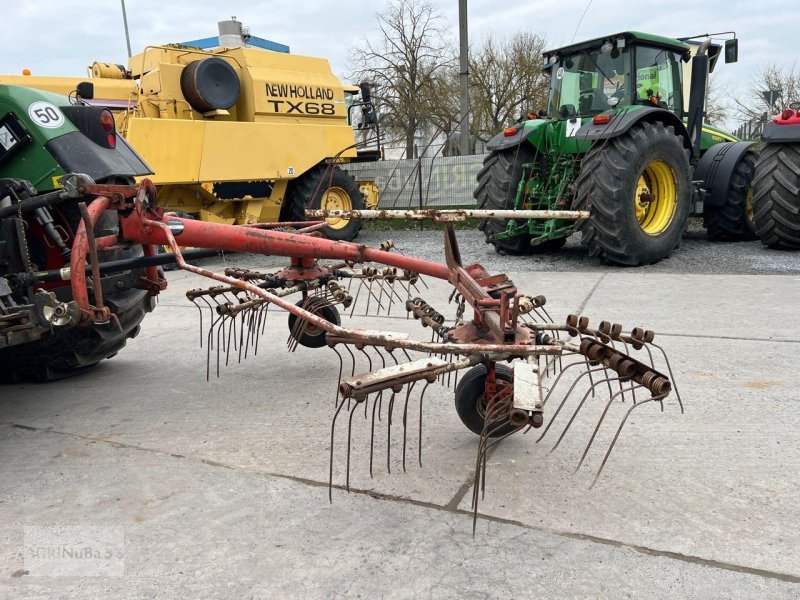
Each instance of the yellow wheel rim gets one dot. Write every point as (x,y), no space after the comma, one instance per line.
(748,204)
(656,197)
(336,199)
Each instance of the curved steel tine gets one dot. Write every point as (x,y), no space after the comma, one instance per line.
(210,346)
(614,346)
(580,363)
(419,447)
(577,410)
(391,353)
(405,419)
(231,330)
(372,431)
(619,430)
(671,376)
(330,464)
(406,353)
(379,402)
(353,359)
(389,433)
(220,330)
(201,320)
(357,296)
(597,428)
(369,360)
(628,352)
(560,406)
(480,473)
(339,380)
(349,437)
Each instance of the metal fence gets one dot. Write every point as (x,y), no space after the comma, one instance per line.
(751,130)
(441,181)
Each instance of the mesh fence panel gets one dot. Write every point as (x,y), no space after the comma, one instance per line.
(445,180)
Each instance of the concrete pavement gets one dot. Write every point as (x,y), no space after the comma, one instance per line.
(220,488)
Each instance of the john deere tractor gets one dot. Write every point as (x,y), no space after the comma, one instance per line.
(622,137)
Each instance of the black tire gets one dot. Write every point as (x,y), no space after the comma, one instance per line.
(72,351)
(607,185)
(308,190)
(731,222)
(470,396)
(313,336)
(497,189)
(776,196)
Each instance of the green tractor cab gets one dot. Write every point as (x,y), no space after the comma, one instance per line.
(623,137)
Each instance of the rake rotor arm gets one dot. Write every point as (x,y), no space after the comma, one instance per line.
(150,227)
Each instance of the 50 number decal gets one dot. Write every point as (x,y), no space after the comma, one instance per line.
(46,115)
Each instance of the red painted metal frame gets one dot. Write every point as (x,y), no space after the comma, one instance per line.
(141,222)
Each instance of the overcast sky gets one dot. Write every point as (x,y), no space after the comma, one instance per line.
(62,37)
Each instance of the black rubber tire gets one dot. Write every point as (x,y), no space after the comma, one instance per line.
(314,337)
(470,392)
(729,222)
(74,350)
(496,190)
(606,185)
(776,196)
(299,197)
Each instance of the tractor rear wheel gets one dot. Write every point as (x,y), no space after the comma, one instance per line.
(325,187)
(71,351)
(497,189)
(733,221)
(776,196)
(638,188)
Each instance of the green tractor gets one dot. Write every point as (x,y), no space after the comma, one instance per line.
(623,137)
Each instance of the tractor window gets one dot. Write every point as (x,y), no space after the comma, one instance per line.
(585,84)
(658,78)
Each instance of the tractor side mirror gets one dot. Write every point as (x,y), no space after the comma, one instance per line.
(366,91)
(731,50)
(85,90)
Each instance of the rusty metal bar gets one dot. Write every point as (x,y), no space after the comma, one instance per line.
(448,215)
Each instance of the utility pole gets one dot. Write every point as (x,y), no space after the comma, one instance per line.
(464,142)
(125,22)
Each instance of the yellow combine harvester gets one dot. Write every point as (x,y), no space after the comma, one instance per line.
(238,134)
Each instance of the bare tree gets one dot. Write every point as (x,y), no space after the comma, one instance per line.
(404,63)
(783,81)
(506,81)
(718,97)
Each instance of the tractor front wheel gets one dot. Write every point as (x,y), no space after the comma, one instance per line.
(776,196)
(638,189)
(733,221)
(325,187)
(498,181)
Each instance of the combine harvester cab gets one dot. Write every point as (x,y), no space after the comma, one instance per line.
(239,134)
(622,137)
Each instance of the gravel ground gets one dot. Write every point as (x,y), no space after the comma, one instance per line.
(696,255)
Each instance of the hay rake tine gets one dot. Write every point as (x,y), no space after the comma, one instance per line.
(375,404)
(405,419)
(575,414)
(419,447)
(563,401)
(389,432)
(619,430)
(339,379)
(597,428)
(330,465)
(349,437)
(671,376)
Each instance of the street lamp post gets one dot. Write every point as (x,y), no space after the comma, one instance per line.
(463,60)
